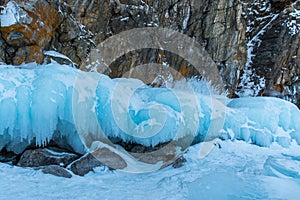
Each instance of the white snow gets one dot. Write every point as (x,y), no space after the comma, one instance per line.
(58,55)
(124,19)
(9,15)
(167,15)
(12,14)
(255,41)
(236,171)
(249,87)
(293,22)
(186,18)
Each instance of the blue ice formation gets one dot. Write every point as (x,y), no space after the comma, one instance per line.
(73,108)
(263,120)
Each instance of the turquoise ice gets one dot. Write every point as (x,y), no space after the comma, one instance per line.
(60,103)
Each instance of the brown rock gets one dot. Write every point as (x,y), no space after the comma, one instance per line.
(57,171)
(166,154)
(280,4)
(85,164)
(99,157)
(7,156)
(179,162)
(30,30)
(36,27)
(43,25)
(109,158)
(217,25)
(45,157)
(71,39)
(2,50)
(28,54)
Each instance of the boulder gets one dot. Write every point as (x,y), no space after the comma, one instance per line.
(109,158)
(85,165)
(57,171)
(45,157)
(179,162)
(168,154)
(7,156)
(99,157)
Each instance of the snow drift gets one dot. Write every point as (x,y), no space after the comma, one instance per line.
(73,108)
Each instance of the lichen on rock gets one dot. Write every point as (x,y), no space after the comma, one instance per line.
(30,27)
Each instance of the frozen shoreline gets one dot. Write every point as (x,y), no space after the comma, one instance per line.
(236,171)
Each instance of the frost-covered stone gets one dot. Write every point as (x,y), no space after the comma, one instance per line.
(57,171)
(45,157)
(85,165)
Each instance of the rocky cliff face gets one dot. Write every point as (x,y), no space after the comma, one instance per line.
(217,25)
(273,49)
(255,44)
(28,28)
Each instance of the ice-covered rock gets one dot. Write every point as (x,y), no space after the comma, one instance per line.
(46,157)
(35,105)
(57,170)
(75,109)
(85,164)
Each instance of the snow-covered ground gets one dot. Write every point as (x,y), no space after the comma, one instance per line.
(237,170)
